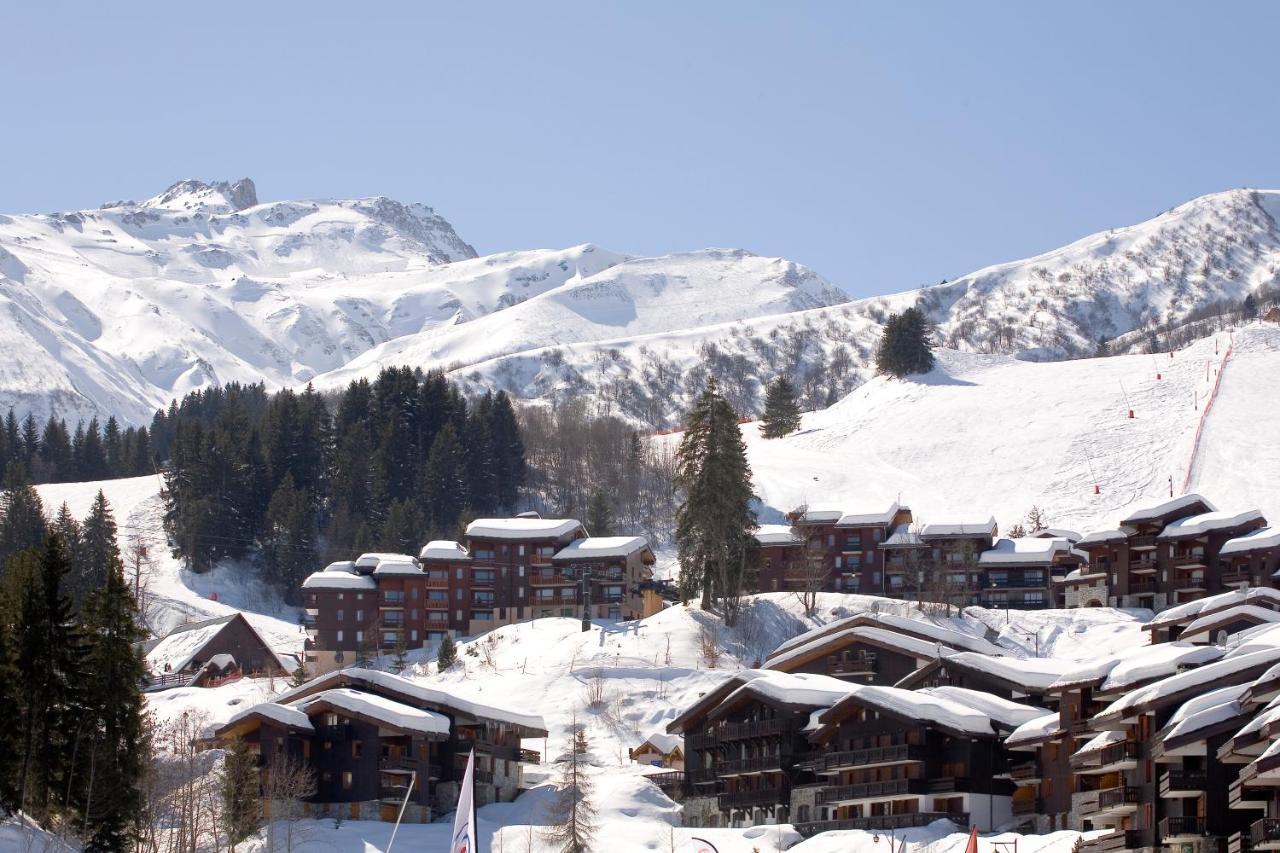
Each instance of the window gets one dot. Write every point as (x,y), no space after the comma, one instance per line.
(359,636)
(339,636)
(483,598)
(341,614)
(357,747)
(359,596)
(480,554)
(483,576)
(339,596)
(437,616)
(521,551)
(437,595)
(615,613)
(1034,577)
(413,635)
(388,638)
(482,615)
(359,615)
(415,593)
(346,780)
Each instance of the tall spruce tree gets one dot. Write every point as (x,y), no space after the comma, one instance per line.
(238,786)
(113,705)
(10,735)
(906,346)
(572,816)
(288,546)
(714,525)
(22,524)
(781,411)
(599,515)
(95,552)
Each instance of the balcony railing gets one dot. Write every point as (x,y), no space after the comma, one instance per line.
(1232,578)
(834,761)
(1265,831)
(881,822)
(1027,771)
(437,583)
(755,728)
(1142,587)
(530,756)
(1129,839)
(1028,806)
(1147,540)
(552,580)
(856,664)
(759,764)
(1111,798)
(868,790)
(747,799)
(436,604)
(1179,827)
(700,740)
(1174,781)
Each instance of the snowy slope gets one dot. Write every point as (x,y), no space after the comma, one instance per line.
(117,310)
(985,434)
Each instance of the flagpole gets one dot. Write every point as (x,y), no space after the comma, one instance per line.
(413,777)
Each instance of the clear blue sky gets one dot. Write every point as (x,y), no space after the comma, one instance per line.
(886,145)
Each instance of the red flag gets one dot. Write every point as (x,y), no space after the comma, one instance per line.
(972,846)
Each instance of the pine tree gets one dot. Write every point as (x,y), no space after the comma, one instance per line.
(239,787)
(10,739)
(112,802)
(288,544)
(571,824)
(599,515)
(781,412)
(49,656)
(714,525)
(401,661)
(447,654)
(22,524)
(444,486)
(402,530)
(96,551)
(906,347)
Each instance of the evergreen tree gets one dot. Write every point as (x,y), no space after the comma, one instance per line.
(68,529)
(402,531)
(288,547)
(572,815)
(599,515)
(91,462)
(22,524)
(447,654)
(906,347)
(113,671)
(49,653)
(10,736)
(96,552)
(508,451)
(781,412)
(113,447)
(401,661)
(1249,309)
(239,788)
(714,525)
(445,481)
(31,438)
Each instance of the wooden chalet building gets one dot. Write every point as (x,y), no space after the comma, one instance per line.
(1252,559)
(889,758)
(508,570)
(1025,680)
(1214,618)
(1020,573)
(828,549)
(364,734)
(211,652)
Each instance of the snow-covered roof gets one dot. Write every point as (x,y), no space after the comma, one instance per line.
(1033,673)
(1207,522)
(777,534)
(443,549)
(905,643)
(348,566)
(1153,661)
(421,692)
(1264,538)
(869,519)
(522,528)
(821,515)
(174,651)
(338,580)
(1189,680)
(928,630)
(1217,617)
(1214,707)
(792,688)
(1056,533)
(388,568)
(285,715)
(1099,537)
(602,546)
(385,711)
(960,528)
(1024,550)
(372,560)
(1034,730)
(1203,606)
(663,742)
(1009,714)
(1101,741)
(902,537)
(919,705)
(1156,511)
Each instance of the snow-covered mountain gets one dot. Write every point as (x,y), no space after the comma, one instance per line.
(118,310)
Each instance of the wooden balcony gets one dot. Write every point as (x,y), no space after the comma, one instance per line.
(755,728)
(1142,587)
(437,583)
(1265,834)
(1184,828)
(1239,842)
(834,762)
(1144,542)
(860,664)
(750,766)
(1182,783)
(881,822)
(1025,773)
(838,794)
(1116,801)
(1241,796)
(1118,756)
(1024,806)
(1130,839)
(1235,578)
(552,580)
(435,604)
(773,796)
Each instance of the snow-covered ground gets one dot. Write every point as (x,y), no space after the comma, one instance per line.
(984,435)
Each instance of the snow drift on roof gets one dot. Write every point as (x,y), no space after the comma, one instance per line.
(1193,609)
(777,534)
(1099,537)
(821,514)
(869,519)
(172,653)
(443,549)
(282,714)
(602,546)
(338,580)
(373,559)
(1163,658)
(1056,533)
(1213,707)
(480,710)
(1034,730)
(794,688)
(946,636)
(1201,676)
(923,706)
(1158,661)
(908,645)
(1199,525)
(522,528)
(1154,512)
(1239,611)
(386,711)
(1262,539)
(902,537)
(1009,714)
(1101,741)
(348,566)
(1025,550)
(663,742)
(1034,673)
(396,567)
(961,528)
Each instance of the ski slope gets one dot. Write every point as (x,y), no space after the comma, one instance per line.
(984,434)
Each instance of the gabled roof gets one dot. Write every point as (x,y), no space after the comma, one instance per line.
(373,559)
(443,549)
(886,639)
(794,691)
(379,709)
(341,575)
(1007,713)
(1262,539)
(1208,522)
(869,519)
(662,742)
(396,568)
(1192,610)
(1178,688)
(1035,731)
(1029,675)
(599,547)
(1025,551)
(1141,663)
(1151,513)
(903,537)
(960,529)
(901,624)
(909,706)
(182,644)
(403,689)
(1207,625)
(709,700)
(820,515)
(1102,537)
(522,528)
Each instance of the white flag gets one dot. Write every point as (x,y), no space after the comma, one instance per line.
(464,819)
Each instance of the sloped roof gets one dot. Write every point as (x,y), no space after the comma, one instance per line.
(960,528)
(443,549)
(869,519)
(1262,539)
(602,546)
(1200,678)
(390,568)
(777,534)
(1207,522)
(911,705)
(1147,513)
(1025,550)
(522,528)
(179,646)
(385,711)
(1034,731)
